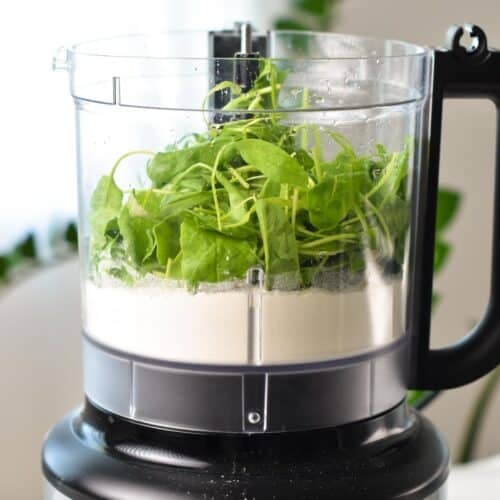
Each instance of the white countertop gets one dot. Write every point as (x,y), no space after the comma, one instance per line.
(478,480)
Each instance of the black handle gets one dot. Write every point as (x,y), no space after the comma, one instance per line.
(470,73)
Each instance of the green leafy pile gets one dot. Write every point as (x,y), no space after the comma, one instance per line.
(254,191)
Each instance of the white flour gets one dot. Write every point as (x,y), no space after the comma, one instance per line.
(162,322)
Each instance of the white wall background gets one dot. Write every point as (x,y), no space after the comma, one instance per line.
(39,359)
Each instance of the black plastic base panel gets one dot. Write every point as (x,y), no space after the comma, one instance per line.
(91,454)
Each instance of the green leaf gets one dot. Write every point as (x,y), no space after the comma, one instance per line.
(356,261)
(280,246)
(105,206)
(137,232)
(441,253)
(137,223)
(236,198)
(122,274)
(329,202)
(147,202)
(436,299)
(396,215)
(269,74)
(173,204)
(352,169)
(165,166)
(27,247)
(304,158)
(222,88)
(209,256)
(416,398)
(174,267)
(447,208)
(166,236)
(314,7)
(4,268)
(273,162)
(288,23)
(71,235)
(391,182)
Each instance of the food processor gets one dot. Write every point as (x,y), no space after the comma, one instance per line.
(256,229)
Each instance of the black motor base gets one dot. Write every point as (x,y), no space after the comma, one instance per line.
(91,454)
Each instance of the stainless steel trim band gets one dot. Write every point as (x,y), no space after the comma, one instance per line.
(237,399)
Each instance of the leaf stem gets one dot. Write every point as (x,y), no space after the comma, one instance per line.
(238,206)
(233,105)
(314,253)
(387,174)
(239,178)
(295,202)
(284,196)
(336,237)
(274,92)
(181,176)
(317,153)
(362,219)
(383,223)
(304,130)
(168,268)
(214,188)
(130,153)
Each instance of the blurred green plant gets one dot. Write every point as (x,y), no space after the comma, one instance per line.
(22,254)
(319,15)
(25,255)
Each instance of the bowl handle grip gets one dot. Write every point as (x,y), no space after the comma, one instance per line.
(458,72)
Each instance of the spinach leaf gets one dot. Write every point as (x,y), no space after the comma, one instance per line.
(209,256)
(390,184)
(280,246)
(174,203)
(273,162)
(165,166)
(236,198)
(137,232)
(396,214)
(166,236)
(105,206)
(329,202)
